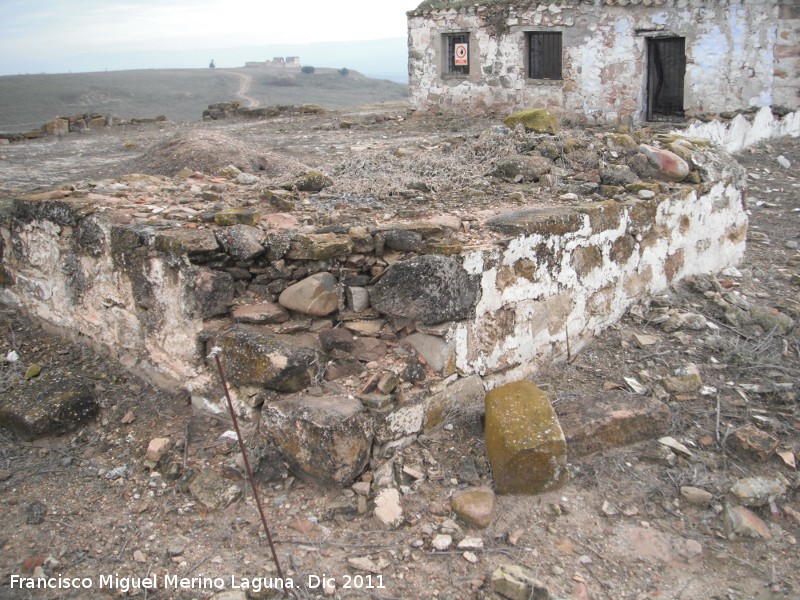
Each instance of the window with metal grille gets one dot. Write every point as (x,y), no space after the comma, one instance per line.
(457,53)
(544,55)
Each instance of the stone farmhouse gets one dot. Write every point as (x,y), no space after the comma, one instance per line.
(605,61)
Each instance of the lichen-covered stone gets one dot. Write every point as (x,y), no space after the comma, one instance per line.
(362,240)
(207,293)
(56,206)
(524,440)
(186,242)
(602,215)
(538,120)
(770,320)
(312,181)
(545,221)
(47,405)
(757,491)
(617,175)
(430,288)
(319,246)
(317,295)
(523,167)
(237,216)
(281,200)
(402,239)
(444,247)
(242,242)
(324,439)
(650,186)
(285,363)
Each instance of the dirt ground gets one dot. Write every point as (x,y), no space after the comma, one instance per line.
(619,529)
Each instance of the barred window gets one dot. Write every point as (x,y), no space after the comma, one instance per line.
(544,58)
(457,45)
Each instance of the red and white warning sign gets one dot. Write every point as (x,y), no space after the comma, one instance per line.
(461,55)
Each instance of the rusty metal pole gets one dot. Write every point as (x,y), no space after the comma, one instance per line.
(215,352)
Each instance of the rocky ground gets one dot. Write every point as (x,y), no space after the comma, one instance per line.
(683,518)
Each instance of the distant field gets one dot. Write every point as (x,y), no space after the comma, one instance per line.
(27,101)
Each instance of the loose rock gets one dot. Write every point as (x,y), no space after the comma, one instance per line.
(757,491)
(518,583)
(474,507)
(743,523)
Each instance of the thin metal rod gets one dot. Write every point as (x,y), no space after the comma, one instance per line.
(215,354)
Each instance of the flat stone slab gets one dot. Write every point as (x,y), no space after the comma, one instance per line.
(47,405)
(607,420)
(553,221)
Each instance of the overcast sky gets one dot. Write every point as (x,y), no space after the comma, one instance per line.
(35,30)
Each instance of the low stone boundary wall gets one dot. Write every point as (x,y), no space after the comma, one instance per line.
(358,335)
(740,132)
(76,124)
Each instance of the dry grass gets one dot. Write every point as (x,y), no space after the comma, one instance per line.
(455,165)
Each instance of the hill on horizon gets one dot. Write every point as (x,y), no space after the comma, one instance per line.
(27,101)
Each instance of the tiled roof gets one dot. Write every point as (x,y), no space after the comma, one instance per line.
(430,5)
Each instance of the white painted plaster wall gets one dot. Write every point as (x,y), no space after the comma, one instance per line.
(730,48)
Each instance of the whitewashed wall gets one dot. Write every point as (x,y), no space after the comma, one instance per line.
(739,54)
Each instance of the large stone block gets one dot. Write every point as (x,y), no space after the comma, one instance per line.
(607,420)
(324,439)
(279,362)
(431,289)
(47,405)
(524,440)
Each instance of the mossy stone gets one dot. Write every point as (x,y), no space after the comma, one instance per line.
(237,216)
(635,188)
(524,440)
(537,120)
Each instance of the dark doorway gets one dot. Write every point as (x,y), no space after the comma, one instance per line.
(666,67)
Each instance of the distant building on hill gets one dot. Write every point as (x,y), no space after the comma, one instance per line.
(291,62)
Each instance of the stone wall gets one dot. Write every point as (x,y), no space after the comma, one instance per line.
(77,123)
(741,132)
(284,303)
(738,54)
